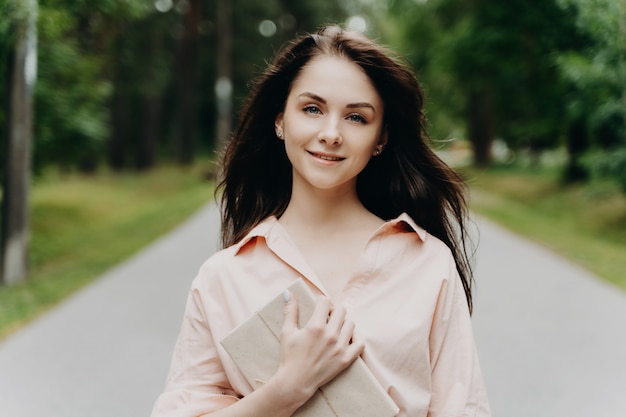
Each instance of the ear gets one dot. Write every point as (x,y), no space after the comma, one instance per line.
(279,125)
(384,137)
(382,142)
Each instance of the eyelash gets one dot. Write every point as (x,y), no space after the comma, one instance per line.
(311,109)
(357,118)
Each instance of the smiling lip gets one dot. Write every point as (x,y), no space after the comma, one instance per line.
(326,157)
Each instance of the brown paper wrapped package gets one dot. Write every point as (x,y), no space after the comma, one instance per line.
(254,346)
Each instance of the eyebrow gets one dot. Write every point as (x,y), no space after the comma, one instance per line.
(349,105)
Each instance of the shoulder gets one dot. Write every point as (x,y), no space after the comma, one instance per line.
(220,259)
(416,257)
(227,256)
(217,265)
(423,241)
(235,261)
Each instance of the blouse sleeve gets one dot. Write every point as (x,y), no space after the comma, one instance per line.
(196,384)
(457,385)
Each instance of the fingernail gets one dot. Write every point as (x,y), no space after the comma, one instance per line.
(286,296)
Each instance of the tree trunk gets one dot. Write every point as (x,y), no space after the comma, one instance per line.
(151,117)
(15,221)
(624,104)
(119,126)
(223,83)
(151,101)
(480,126)
(185,128)
(577,144)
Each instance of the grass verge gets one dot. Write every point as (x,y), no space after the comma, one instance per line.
(81,226)
(584,223)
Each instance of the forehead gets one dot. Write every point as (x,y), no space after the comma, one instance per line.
(333,77)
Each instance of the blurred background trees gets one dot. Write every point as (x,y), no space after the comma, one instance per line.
(129,83)
(535,75)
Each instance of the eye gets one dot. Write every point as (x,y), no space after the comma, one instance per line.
(357,118)
(312,109)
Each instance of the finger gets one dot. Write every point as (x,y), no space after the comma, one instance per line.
(320,312)
(354,350)
(346,332)
(336,319)
(291,312)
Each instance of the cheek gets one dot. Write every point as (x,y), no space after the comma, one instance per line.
(300,134)
(368,140)
(291,149)
(300,127)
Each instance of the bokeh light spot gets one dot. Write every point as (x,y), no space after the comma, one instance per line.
(357,23)
(163,5)
(267,28)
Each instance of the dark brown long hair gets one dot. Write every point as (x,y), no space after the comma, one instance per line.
(406,177)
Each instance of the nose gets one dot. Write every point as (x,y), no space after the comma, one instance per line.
(330,134)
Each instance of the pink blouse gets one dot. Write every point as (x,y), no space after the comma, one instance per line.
(405,297)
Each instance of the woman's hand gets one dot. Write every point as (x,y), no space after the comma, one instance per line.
(310,357)
(315,354)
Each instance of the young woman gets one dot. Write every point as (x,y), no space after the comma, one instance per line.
(328,178)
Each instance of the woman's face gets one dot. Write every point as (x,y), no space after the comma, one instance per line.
(331,124)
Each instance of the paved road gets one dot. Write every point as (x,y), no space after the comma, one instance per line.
(106,350)
(551,337)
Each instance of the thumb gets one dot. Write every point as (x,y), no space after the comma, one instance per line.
(291,311)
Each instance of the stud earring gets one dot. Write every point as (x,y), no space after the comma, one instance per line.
(279,134)
(376,152)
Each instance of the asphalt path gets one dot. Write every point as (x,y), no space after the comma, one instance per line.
(551,337)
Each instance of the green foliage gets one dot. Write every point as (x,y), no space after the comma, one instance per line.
(598,70)
(538,66)
(423,32)
(119,78)
(8,14)
(503,50)
(534,74)
(608,164)
(71,95)
(596,74)
(253,50)
(75,85)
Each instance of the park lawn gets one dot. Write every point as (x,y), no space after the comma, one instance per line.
(584,223)
(83,225)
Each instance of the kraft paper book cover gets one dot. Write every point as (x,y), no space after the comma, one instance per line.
(254,346)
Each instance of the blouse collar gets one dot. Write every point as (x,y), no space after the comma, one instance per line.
(400,224)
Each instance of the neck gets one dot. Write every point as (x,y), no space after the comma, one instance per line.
(323,209)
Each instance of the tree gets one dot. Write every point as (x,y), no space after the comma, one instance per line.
(186,72)
(15,224)
(596,76)
(72,119)
(130,82)
(455,63)
(223,82)
(488,66)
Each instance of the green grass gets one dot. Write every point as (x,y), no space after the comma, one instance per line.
(584,223)
(82,226)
